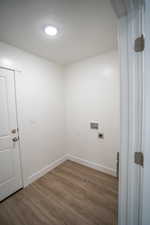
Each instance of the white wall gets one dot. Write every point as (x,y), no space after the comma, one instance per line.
(41,102)
(92,94)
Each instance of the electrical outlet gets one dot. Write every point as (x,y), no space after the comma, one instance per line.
(101,135)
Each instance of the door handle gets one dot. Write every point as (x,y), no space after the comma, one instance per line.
(15,139)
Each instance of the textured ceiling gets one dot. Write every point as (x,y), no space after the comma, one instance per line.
(86,27)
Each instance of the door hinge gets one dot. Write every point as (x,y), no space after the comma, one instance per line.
(139,158)
(139,44)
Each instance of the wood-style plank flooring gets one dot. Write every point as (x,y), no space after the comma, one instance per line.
(71,194)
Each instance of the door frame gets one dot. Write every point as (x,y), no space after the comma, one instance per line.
(146,120)
(17,74)
(124,126)
(130,177)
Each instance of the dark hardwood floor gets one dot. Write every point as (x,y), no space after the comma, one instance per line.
(71,194)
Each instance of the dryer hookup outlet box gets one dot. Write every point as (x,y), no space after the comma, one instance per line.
(94,125)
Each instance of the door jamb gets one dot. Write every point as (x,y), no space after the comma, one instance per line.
(124,126)
(131,116)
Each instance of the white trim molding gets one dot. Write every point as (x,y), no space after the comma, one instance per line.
(44,170)
(9,67)
(92,165)
(145,205)
(122,7)
(124,128)
(58,162)
(130,27)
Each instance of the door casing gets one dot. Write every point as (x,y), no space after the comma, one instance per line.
(131,62)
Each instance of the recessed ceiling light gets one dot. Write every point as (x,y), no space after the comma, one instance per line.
(51,30)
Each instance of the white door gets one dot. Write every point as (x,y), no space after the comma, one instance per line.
(10,170)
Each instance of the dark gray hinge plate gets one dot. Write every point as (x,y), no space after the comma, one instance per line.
(139,44)
(139,158)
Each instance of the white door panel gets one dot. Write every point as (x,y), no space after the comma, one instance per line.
(10,171)
(5,143)
(6,171)
(4,127)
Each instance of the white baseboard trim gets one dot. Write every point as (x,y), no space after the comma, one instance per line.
(92,165)
(44,170)
(56,163)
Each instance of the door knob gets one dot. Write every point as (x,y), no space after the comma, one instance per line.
(15,139)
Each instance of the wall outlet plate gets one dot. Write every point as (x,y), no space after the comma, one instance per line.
(94,125)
